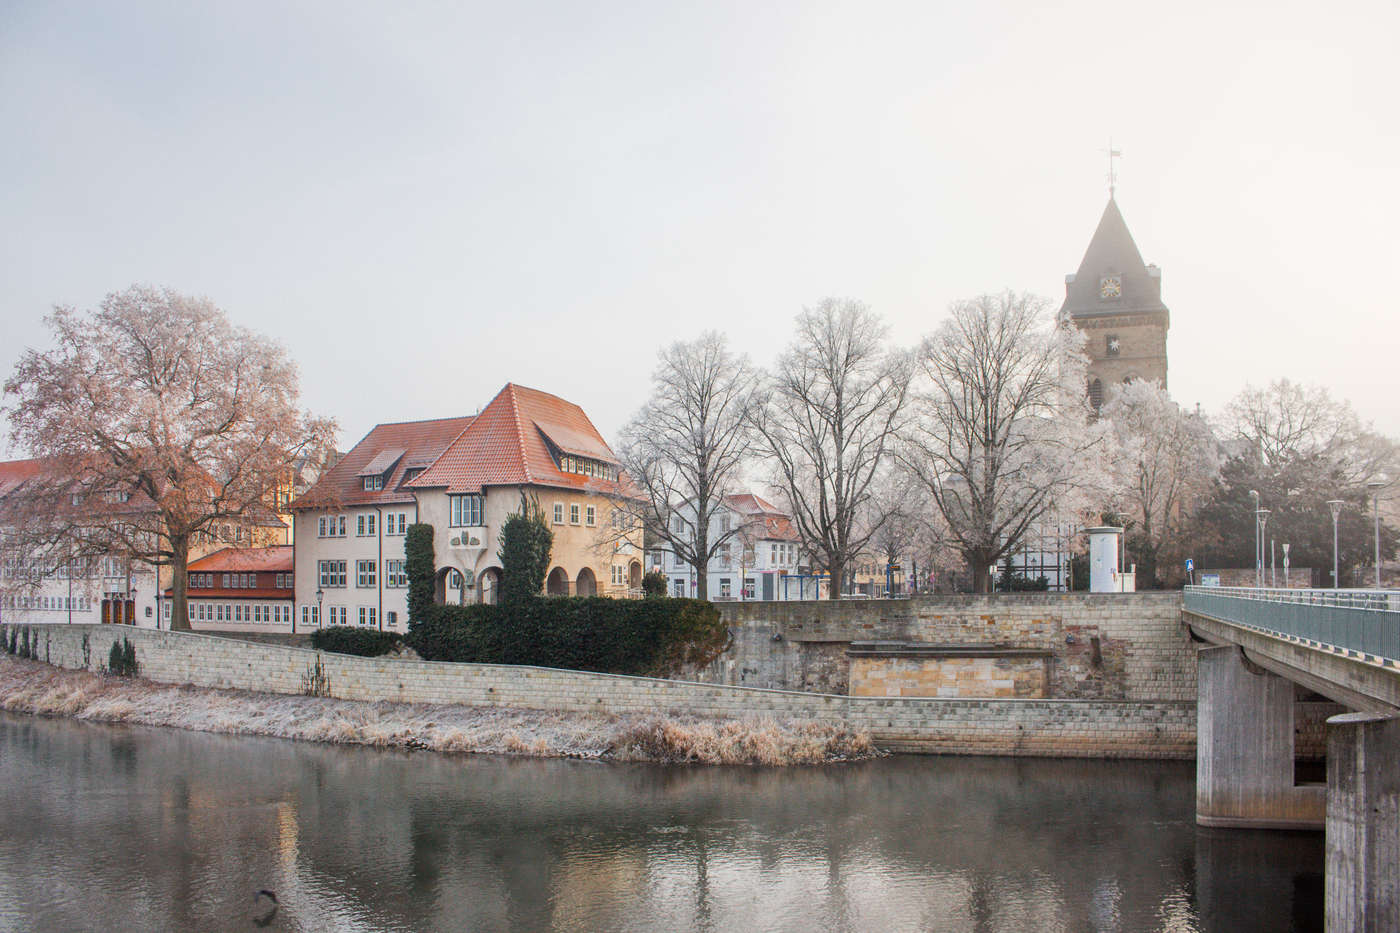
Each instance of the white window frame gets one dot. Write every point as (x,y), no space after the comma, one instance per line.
(573,513)
(466,511)
(590,515)
(558,513)
(366,574)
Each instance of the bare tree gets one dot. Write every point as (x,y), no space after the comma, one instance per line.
(684,449)
(833,406)
(1166,463)
(1289,424)
(157,421)
(1002,437)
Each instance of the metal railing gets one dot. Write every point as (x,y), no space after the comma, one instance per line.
(1365,622)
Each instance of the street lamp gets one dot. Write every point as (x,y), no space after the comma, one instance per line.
(1375,486)
(1336,506)
(1258,569)
(320,595)
(1261,521)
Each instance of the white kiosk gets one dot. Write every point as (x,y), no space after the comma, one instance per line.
(1104,575)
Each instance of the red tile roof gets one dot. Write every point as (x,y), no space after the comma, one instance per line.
(776,524)
(13,473)
(274,559)
(417,443)
(509,443)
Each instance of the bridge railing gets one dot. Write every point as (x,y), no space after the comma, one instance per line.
(1359,621)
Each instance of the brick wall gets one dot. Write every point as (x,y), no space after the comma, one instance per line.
(1103,646)
(1053,728)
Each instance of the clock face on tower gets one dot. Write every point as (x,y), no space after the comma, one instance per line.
(1110,286)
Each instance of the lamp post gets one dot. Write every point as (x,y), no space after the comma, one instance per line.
(1261,521)
(320,595)
(1336,506)
(1375,486)
(1254,494)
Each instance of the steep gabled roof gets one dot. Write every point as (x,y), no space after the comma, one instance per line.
(776,525)
(508,444)
(393,447)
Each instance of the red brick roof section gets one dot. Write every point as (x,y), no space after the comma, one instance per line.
(506,446)
(275,559)
(418,443)
(14,473)
(776,523)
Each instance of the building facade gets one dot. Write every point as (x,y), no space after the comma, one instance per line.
(762,560)
(240,590)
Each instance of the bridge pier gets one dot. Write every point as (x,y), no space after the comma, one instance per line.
(1363,822)
(1244,748)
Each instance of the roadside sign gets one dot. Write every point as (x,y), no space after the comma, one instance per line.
(1210,579)
(1190,565)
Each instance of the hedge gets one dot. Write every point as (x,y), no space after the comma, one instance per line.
(346,639)
(645,637)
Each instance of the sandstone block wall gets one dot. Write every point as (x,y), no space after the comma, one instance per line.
(1109,646)
(1053,728)
(948,677)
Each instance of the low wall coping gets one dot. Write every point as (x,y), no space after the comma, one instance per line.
(902,649)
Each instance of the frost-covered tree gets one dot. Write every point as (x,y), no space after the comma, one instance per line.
(1003,435)
(833,405)
(1166,464)
(157,420)
(684,450)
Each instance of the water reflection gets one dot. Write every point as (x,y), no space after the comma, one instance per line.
(113,827)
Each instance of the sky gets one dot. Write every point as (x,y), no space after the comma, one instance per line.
(426,201)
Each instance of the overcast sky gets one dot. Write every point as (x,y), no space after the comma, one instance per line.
(424,202)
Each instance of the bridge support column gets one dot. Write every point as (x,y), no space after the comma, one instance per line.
(1244,748)
(1363,822)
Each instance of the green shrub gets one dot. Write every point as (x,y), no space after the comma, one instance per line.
(419,565)
(121,660)
(526,542)
(654,584)
(346,639)
(647,637)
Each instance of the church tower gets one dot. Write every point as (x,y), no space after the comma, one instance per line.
(1116,300)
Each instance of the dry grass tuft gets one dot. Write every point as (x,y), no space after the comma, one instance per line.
(33,687)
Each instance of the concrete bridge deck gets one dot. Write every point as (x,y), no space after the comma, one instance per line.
(1262,648)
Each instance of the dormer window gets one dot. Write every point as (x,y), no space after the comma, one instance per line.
(374,483)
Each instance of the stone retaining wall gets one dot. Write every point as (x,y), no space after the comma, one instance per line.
(1103,646)
(1053,728)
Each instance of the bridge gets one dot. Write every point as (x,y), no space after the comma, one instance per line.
(1261,651)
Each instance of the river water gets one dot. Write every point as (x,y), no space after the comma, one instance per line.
(132,828)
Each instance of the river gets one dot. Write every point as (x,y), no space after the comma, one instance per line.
(134,828)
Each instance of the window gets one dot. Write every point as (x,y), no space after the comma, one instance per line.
(724,524)
(394,575)
(466,511)
(368,616)
(373,483)
(590,516)
(228,581)
(573,514)
(724,587)
(677,561)
(341,526)
(305,615)
(360,525)
(558,513)
(321,527)
(391,527)
(365,573)
(748,587)
(619,575)
(678,587)
(330,573)
(677,525)
(391,619)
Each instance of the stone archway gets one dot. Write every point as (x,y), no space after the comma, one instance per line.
(585,585)
(557,584)
(447,586)
(489,586)
(634,575)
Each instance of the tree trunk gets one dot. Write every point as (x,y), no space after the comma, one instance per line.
(702,582)
(981,575)
(179,583)
(837,570)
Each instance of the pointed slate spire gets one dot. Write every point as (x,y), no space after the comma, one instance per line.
(1112,278)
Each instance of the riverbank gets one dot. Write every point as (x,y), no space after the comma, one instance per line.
(37,688)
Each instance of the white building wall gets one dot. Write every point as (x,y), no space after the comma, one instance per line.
(60,600)
(351,604)
(769,557)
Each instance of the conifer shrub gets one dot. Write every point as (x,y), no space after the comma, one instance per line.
(420,566)
(121,660)
(346,639)
(654,584)
(526,542)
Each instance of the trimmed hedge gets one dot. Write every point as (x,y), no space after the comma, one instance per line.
(644,637)
(346,639)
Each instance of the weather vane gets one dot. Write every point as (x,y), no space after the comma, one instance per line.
(1112,175)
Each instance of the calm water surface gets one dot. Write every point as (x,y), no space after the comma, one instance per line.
(119,828)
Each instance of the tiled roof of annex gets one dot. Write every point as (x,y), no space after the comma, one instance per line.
(777,525)
(14,473)
(274,559)
(417,444)
(509,443)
